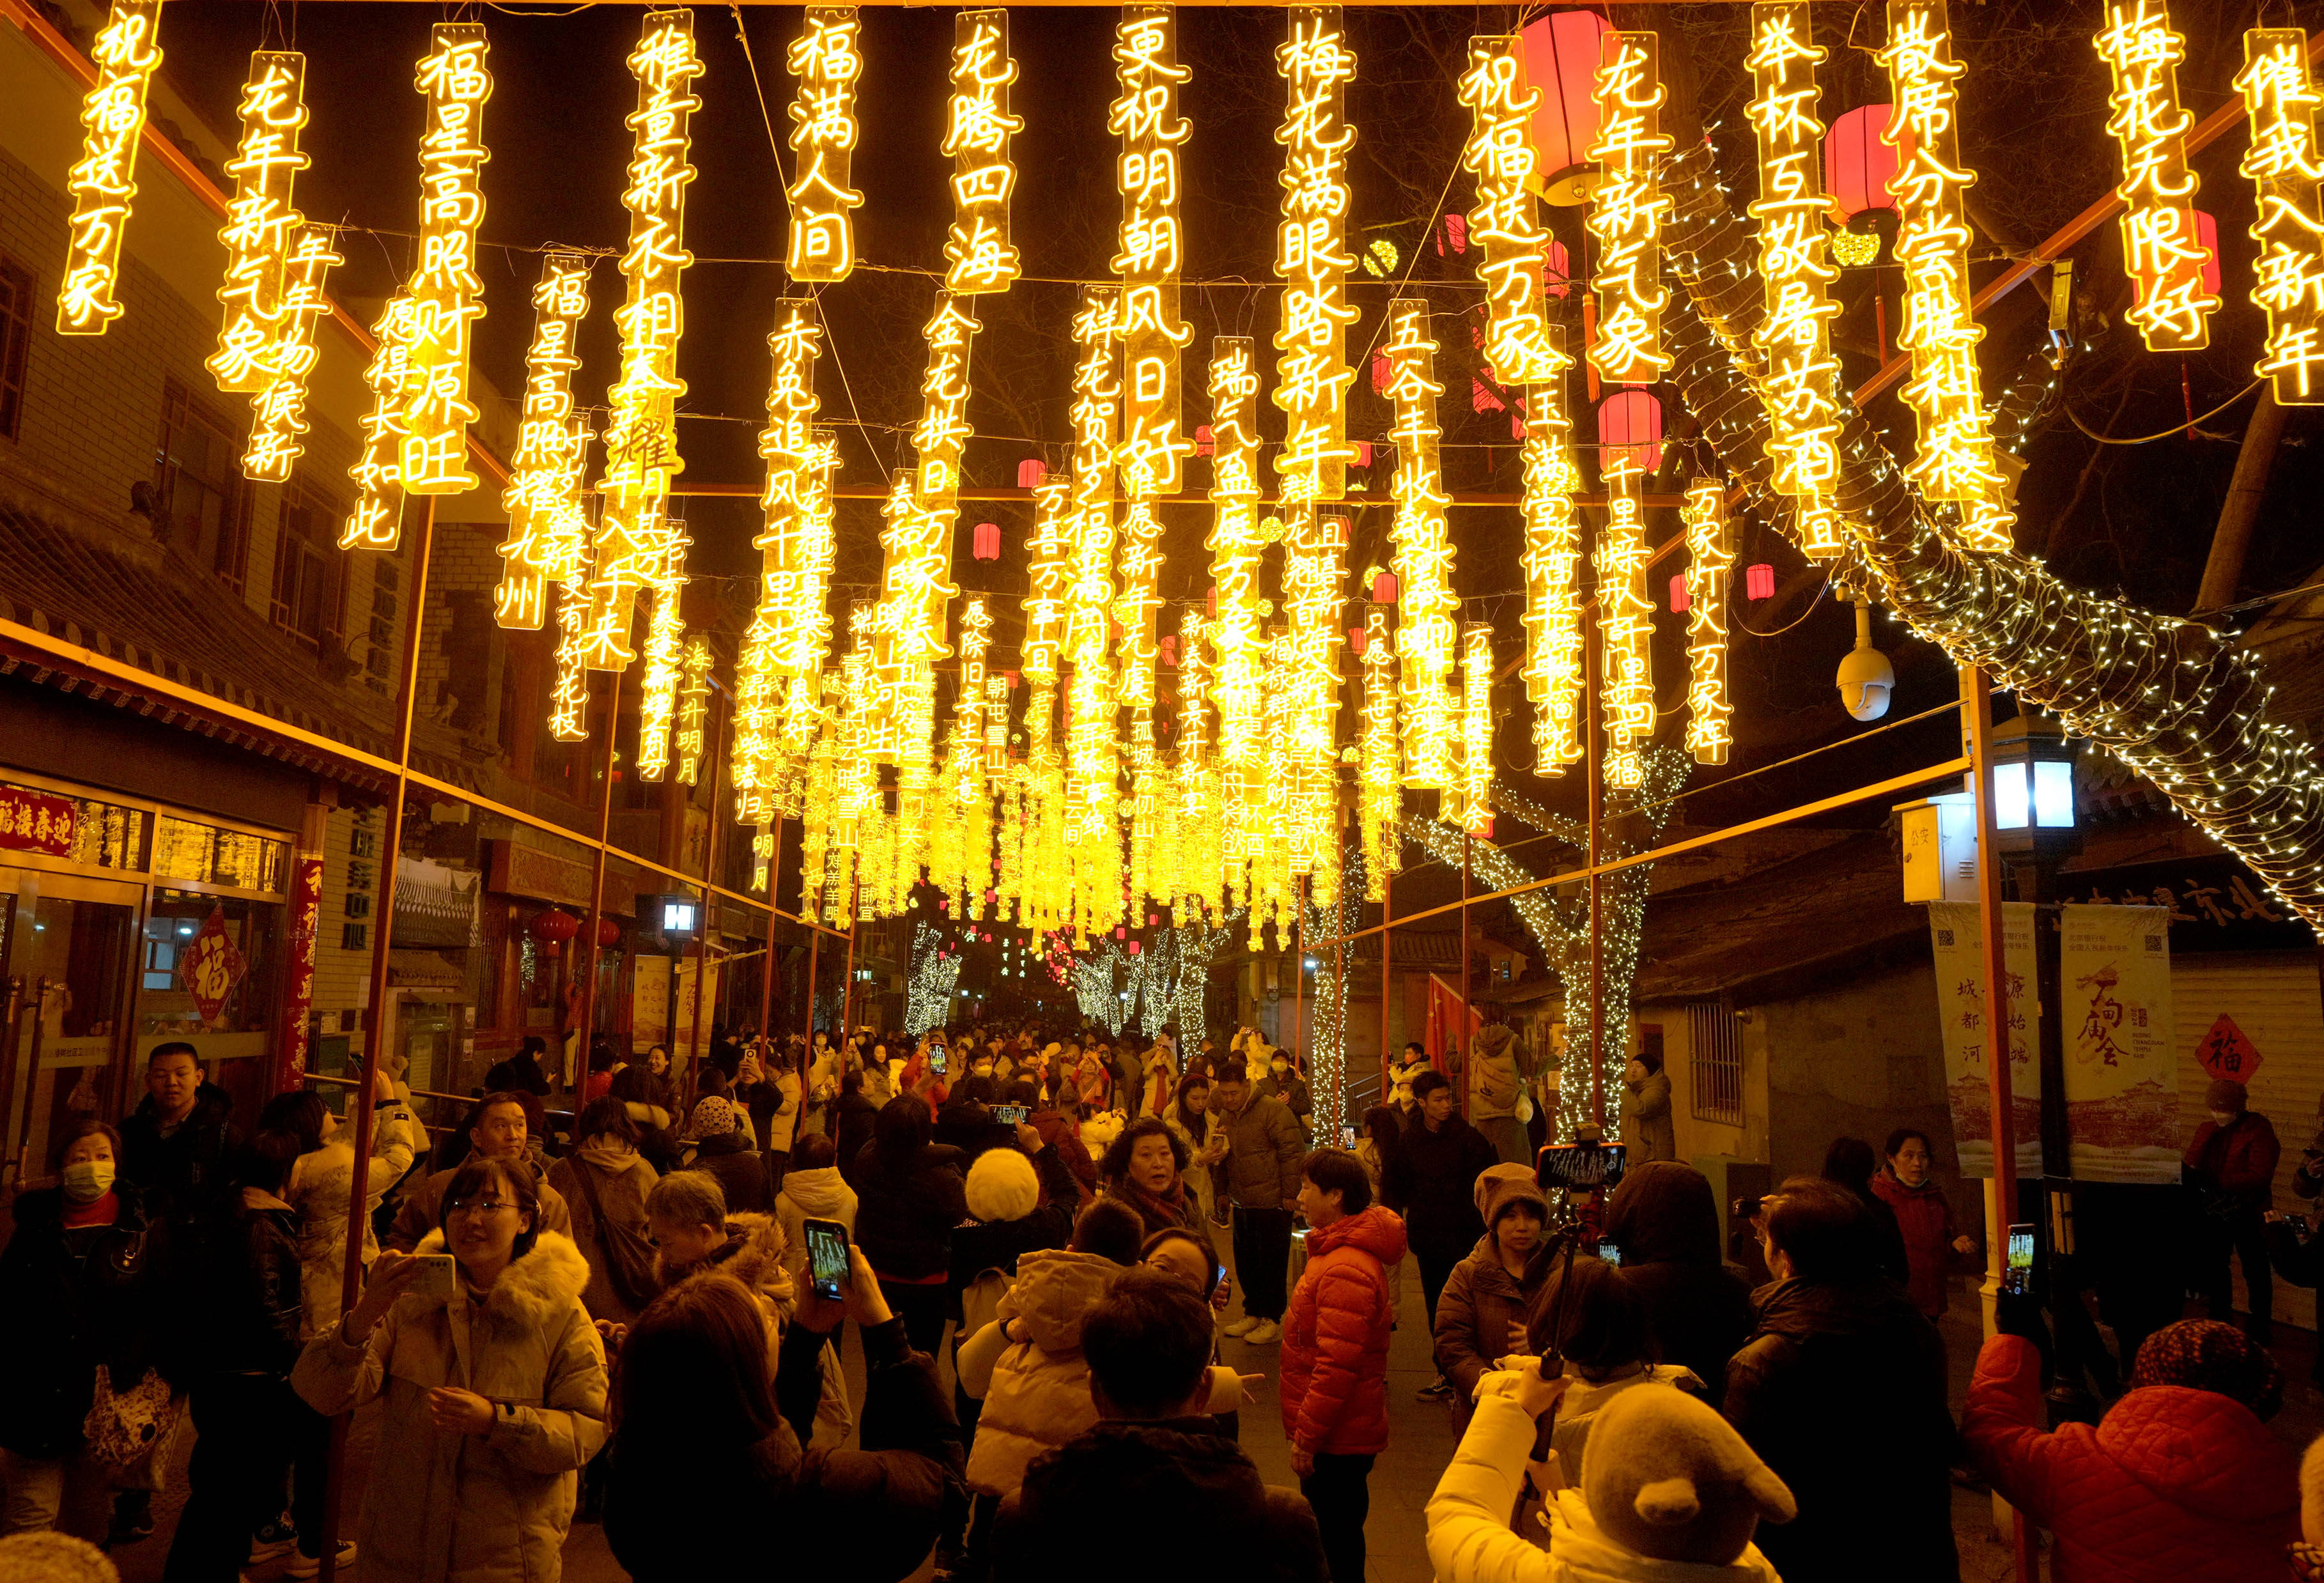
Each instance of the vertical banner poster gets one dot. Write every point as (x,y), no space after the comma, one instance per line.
(298,983)
(2122,1093)
(1956,938)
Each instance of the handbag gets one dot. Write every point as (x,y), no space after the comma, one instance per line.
(629,1256)
(124,1426)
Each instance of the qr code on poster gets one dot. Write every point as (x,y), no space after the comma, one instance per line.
(1944,939)
(2154,943)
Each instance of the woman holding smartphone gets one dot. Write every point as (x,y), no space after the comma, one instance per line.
(493,1385)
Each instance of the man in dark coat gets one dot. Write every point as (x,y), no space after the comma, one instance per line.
(179,1144)
(1153,1452)
(1435,1177)
(1664,1219)
(1842,1362)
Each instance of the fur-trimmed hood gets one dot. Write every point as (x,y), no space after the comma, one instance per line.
(753,1254)
(535,1290)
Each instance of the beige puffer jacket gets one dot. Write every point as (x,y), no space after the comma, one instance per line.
(1039,1395)
(320,1181)
(450,1508)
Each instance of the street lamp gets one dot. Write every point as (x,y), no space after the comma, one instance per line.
(2034,797)
(675,918)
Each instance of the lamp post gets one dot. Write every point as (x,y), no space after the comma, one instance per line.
(2033,797)
(676,917)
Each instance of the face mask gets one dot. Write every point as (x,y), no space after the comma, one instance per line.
(2224,1119)
(87,1181)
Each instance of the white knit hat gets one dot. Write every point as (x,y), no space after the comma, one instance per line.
(1002,1185)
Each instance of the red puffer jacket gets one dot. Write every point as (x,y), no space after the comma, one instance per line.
(1336,1337)
(1926,1222)
(2175,1485)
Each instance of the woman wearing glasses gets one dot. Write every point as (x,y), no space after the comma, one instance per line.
(492,1383)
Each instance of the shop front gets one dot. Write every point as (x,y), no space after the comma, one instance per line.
(124,925)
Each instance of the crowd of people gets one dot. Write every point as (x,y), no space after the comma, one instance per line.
(644,1320)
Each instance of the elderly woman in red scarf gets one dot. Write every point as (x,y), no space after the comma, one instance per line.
(1146,1168)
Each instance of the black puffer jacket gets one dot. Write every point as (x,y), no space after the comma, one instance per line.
(1841,1391)
(1434,1176)
(1075,1502)
(742,1173)
(250,1304)
(1665,1220)
(905,1210)
(186,1176)
(70,1300)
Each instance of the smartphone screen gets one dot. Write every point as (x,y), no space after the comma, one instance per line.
(936,1059)
(2019,1273)
(826,1258)
(1580,1167)
(1610,1253)
(1009,1115)
(437,1277)
(1347,1137)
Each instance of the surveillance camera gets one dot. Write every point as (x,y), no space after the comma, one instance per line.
(1866,677)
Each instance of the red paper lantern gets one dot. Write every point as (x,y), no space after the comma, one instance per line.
(552,929)
(1205,445)
(986,543)
(1759,582)
(1453,234)
(1630,421)
(2207,232)
(1356,641)
(1009,676)
(1031,471)
(1481,396)
(1363,453)
(609,933)
(1556,269)
(1561,51)
(1383,370)
(1170,646)
(1384,587)
(1680,603)
(1858,167)
(1136,946)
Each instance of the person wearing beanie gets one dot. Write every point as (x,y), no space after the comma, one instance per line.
(720,1148)
(2231,1165)
(2181,1481)
(1480,1316)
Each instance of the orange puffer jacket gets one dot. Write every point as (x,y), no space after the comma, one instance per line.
(1336,1337)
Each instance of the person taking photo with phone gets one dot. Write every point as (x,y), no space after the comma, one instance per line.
(492,1384)
(1480,1315)
(909,1196)
(1663,1220)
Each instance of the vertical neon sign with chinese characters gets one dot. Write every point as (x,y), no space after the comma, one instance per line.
(1477,727)
(1710,558)
(1626,623)
(1383,778)
(1626,210)
(377,519)
(1423,552)
(1504,223)
(638,546)
(260,220)
(278,413)
(1146,118)
(1311,374)
(828,62)
(979,254)
(446,292)
(2288,277)
(1234,547)
(788,565)
(104,179)
(2161,249)
(693,708)
(1552,564)
(1797,383)
(545,474)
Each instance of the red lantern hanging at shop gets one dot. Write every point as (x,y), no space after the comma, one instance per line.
(1631,421)
(552,929)
(609,933)
(1562,53)
(1858,167)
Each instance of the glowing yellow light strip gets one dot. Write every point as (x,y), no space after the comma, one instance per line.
(1626,624)
(104,179)
(1504,223)
(1476,728)
(665,657)
(802,645)
(828,63)
(568,696)
(1423,552)
(545,474)
(2161,248)
(260,219)
(1234,546)
(1552,563)
(1627,210)
(788,633)
(1146,118)
(278,413)
(1797,383)
(1955,458)
(1710,558)
(638,546)
(1311,373)
(1050,572)
(1314,574)
(2282,162)
(377,519)
(1383,776)
(1097,390)
(1198,804)
(445,289)
(693,708)
(968,706)
(979,255)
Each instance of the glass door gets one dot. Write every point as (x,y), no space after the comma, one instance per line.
(69,944)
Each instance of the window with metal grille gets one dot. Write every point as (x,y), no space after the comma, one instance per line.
(198,487)
(309,595)
(1715,1057)
(16,342)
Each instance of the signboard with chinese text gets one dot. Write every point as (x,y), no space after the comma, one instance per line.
(35,822)
(2226,1052)
(211,965)
(1956,940)
(2212,902)
(298,984)
(2122,1086)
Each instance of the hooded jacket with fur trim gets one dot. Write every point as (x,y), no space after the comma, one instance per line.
(2173,1486)
(454,1509)
(1336,1337)
(754,1253)
(1039,1397)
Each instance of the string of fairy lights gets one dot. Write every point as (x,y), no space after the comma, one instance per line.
(1094,829)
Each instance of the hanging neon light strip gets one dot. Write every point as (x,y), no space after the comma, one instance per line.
(1797,383)
(1382,772)
(545,474)
(103,181)
(775,648)
(1423,550)
(638,546)
(1146,118)
(979,254)
(278,413)
(1234,546)
(828,61)
(2282,162)
(260,221)
(447,292)
(1476,815)
(692,709)
(1504,223)
(1552,563)
(1050,572)
(665,657)
(1955,457)
(1314,576)
(1710,558)
(2161,248)
(1626,624)
(1627,210)
(1311,374)
(377,519)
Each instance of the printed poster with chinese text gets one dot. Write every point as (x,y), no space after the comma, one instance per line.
(2122,1092)
(1956,939)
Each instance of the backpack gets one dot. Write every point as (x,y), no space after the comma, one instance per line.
(629,1256)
